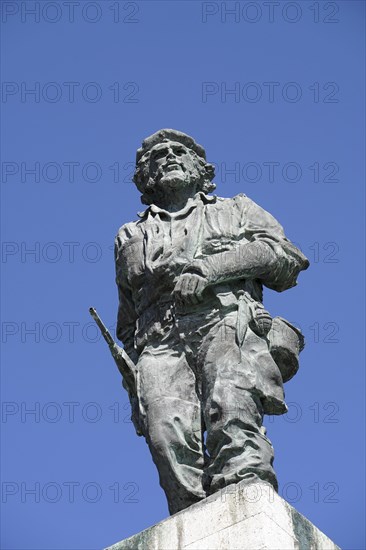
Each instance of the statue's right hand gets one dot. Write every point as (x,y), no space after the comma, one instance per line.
(189,288)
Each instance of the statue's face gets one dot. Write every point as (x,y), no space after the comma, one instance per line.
(172,165)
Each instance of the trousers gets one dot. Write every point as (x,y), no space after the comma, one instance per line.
(200,409)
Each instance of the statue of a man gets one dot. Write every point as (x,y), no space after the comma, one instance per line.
(210,360)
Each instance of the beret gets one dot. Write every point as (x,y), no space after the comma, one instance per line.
(169,135)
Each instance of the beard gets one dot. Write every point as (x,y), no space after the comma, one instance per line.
(172,186)
(187,175)
(176,179)
(176,182)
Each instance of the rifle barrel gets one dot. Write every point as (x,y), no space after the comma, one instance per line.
(103,329)
(125,365)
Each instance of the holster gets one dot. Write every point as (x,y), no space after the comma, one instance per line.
(285,344)
(285,340)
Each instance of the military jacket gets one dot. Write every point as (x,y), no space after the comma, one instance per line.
(151,253)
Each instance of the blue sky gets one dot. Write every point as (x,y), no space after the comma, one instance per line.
(276,96)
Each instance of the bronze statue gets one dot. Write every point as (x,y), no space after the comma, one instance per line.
(209,359)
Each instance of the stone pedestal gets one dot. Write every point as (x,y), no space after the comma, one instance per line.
(239,517)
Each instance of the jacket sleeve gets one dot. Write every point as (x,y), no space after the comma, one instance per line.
(126,317)
(286,259)
(261,251)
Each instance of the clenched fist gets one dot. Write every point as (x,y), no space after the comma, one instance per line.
(189,288)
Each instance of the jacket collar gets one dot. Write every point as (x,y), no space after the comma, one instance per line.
(192,203)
